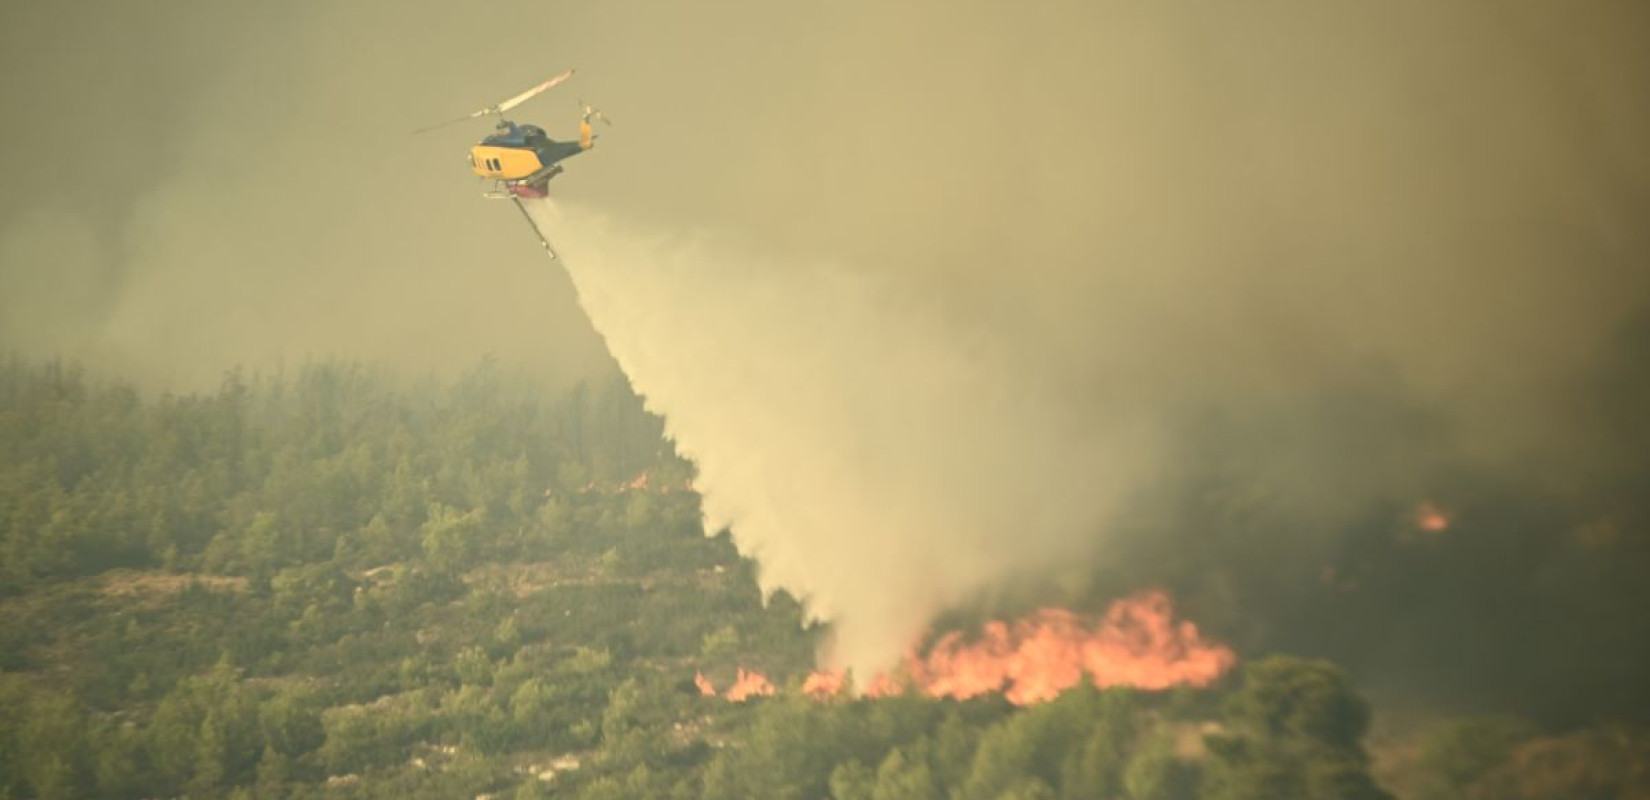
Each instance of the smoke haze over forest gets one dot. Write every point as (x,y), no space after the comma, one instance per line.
(1054,300)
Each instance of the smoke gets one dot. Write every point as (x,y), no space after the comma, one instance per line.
(1154,293)
(1083,297)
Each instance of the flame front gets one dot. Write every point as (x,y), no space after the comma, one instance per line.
(748,684)
(822,684)
(1137,643)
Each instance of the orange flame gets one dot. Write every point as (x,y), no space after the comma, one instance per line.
(645,482)
(1137,643)
(822,684)
(706,688)
(1431,518)
(749,684)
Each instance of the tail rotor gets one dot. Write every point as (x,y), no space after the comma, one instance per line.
(589,113)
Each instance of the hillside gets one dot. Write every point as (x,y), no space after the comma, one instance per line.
(338,584)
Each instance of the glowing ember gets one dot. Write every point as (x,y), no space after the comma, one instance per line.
(748,684)
(644,482)
(1431,518)
(706,688)
(1136,644)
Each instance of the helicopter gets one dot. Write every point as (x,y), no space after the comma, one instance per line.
(521,159)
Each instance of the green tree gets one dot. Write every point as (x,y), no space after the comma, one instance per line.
(903,778)
(1293,732)
(1458,753)
(473,666)
(1284,697)
(116,767)
(530,789)
(290,721)
(852,780)
(1095,768)
(722,643)
(211,753)
(450,538)
(1156,773)
(274,770)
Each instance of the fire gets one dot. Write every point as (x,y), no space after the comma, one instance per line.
(748,684)
(1137,643)
(645,482)
(1431,518)
(822,684)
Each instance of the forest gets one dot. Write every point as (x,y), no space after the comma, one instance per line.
(336,582)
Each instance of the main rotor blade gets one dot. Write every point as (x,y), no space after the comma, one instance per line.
(429,128)
(504,106)
(527,95)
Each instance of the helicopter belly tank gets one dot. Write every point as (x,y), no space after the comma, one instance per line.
(503,163)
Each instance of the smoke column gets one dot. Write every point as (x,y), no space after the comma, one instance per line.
(876,461)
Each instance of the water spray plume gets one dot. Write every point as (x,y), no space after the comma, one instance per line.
(831,415)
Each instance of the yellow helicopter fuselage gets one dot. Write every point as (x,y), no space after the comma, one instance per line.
(519,152)
(504,163)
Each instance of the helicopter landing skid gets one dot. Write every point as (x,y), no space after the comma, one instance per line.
(535,226)
(534,186)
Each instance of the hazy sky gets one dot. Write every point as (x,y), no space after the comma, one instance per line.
(1350,254)
(208,184)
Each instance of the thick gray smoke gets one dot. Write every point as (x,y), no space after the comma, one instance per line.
(1032,267)
(992,285)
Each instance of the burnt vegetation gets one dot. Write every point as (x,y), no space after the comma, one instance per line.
(337,584)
